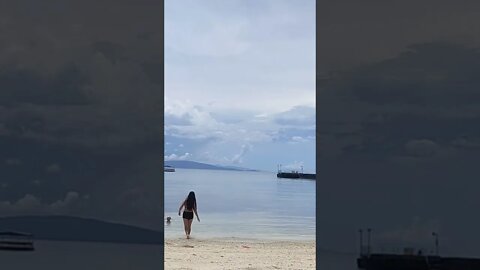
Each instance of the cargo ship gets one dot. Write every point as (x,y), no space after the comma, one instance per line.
(295,174)
(412,259)
(415,262)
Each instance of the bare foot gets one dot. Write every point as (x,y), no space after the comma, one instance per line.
(188,236)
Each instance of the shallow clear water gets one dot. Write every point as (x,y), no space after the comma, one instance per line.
(242,204)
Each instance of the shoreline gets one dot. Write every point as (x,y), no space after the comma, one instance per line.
(222,239)
(238,253)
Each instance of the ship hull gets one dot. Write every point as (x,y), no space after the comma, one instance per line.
(296,175)
(412,262)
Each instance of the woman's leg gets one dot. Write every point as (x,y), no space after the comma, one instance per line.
(190,226)
(185,226)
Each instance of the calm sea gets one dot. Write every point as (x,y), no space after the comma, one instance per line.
(231,204)
(63,255)
(242,204)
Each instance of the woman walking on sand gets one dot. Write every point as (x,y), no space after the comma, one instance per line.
(190,206)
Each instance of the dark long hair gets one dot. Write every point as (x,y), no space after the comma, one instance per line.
(191,201)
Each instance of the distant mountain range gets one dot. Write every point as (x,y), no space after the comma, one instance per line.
(185,164)
(67,228)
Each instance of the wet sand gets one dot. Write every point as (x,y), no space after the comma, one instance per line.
(232,253)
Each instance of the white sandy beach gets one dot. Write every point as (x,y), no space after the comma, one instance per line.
(232,253)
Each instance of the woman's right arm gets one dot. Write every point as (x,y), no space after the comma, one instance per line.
(196,213)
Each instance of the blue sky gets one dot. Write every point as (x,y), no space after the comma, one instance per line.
(240,83)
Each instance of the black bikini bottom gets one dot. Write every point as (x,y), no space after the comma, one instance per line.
(187,215)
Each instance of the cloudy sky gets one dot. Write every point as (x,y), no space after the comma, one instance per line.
(240,82)
(398,113)
(81,110)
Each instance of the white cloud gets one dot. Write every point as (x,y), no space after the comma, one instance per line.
(30,204)
(298,139)
(185,156)
(297,116)
(252,127)
(235,129)
(62,205)
(53,168)
(238,158)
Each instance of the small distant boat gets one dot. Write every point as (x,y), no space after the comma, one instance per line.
(17,241)
(167,168)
